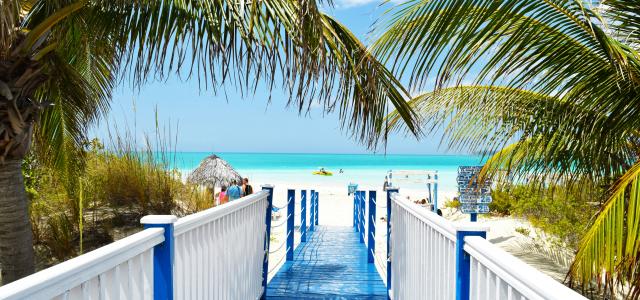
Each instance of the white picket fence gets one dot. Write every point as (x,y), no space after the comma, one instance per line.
(423,250)
(423,261)
(120,270)
(495,274)
(219,254)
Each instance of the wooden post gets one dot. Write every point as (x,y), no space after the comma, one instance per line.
(371,240)
(291,213)
(389,214)
(163,255)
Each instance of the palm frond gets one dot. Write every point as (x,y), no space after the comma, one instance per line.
(246,43)
(609,250)
(550,47)
(556,80)
(9,18)
(624,16)
(547,130)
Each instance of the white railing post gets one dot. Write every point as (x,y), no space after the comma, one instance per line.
(163,255)
(390,191)
(463,261)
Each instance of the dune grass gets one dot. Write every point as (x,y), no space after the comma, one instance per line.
(116,186)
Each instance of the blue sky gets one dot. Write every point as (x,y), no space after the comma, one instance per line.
(230,123)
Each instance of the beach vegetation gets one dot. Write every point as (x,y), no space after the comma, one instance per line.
(120,185)
(453,204)
(60,61)
(523,230)
(549,91)
(562,212)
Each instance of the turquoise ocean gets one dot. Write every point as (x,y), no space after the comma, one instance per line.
(367,170)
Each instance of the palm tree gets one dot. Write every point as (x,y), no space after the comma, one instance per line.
(551,87)
(60,59)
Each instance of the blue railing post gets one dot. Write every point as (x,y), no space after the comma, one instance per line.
(356,203)
(267,242)
(389,192)
(463,261)
(361,214)
(371,246)
(435,192)
(291,213)
(303,216)
(163,255)
(312,213)
(317,208)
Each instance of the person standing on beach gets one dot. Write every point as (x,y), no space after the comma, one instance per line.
(234,191)
(247,189)
(222,196)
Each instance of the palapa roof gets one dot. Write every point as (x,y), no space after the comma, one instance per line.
(214,171)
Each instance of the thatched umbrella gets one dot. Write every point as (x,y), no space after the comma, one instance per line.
(213,171)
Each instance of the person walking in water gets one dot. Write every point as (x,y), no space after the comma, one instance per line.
(247,189)
(234,191)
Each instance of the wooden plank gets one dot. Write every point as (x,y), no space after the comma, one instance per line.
(331,264)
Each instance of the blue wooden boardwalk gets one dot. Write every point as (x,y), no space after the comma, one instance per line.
(332,264)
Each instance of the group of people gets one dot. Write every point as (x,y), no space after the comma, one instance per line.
(235,191)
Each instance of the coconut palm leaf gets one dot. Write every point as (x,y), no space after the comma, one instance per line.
(550,47)
(60,59)
(318,57)
(556,79)
(609,249)
(153,38)
(544,130)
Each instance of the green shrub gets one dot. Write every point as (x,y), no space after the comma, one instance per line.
(522,230)
(561,211)
(454,203)
(501,203)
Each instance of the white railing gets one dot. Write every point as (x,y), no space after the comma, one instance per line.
(495,274)
(219,252)
(433,258)
(423,253)
(120,270)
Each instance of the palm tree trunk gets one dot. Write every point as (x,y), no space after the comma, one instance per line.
(16,240)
